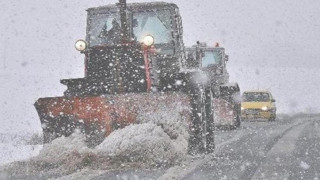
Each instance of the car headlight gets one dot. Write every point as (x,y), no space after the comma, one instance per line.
(81,45)
(148,40)
(264,108)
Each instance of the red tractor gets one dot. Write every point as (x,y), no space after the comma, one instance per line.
(134,62)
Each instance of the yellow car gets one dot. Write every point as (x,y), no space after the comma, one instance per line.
(258,105)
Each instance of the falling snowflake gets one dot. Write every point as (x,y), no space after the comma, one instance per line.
(304,165)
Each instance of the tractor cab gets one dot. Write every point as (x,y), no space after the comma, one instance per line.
(134,66)
(203,56)
(213,57)
(120,38)
(155,24)
(213,60)
(226,95)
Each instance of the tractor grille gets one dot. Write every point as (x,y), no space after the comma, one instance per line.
(111,70)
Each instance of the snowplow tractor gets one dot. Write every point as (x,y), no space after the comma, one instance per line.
(226,96)
(134,65)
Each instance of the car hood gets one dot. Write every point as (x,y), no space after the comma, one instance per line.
(255,105)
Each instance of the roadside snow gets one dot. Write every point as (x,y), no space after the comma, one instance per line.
(158,139)
(145,145)
(62,147)
(61,156)
(139,145)
(16,152)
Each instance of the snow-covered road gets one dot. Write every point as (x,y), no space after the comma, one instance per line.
(285,149)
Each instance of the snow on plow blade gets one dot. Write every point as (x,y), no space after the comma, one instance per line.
(98,116)
(224,113)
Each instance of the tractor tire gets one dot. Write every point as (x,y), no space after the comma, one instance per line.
(238,121)
(237,109)
(202,128)
(273,117)
(209,121)
(196,144)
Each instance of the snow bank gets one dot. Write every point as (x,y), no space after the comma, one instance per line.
(62,147)
(172,118)
(14,152)
(147,143)
(61,156)
(159,139)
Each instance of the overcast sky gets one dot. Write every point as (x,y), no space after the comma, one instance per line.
(272,45)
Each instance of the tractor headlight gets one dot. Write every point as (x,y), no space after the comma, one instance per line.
(264,108)
(81,45)
(148,40)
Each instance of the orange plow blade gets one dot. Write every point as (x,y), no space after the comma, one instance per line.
(98,116)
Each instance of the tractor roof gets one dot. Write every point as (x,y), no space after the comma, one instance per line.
(131,6)
(204,46)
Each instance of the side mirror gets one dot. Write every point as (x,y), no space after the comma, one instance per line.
(135,23)
(203,54)
(273,100)
(226,58)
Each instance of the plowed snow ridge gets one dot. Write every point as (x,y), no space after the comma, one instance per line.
(161,139)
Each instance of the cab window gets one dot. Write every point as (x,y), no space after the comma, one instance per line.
(211,57)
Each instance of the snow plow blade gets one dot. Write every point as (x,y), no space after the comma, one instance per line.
(227,108)
(224,113)
(98,116)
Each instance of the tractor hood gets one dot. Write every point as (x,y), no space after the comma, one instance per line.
(110,69)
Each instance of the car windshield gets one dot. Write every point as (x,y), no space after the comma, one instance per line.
(256,97)
(211,57)
(105,28)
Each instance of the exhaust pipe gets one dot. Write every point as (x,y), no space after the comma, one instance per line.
(123,18)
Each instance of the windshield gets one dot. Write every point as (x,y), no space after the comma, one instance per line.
(256,97)
(211,57)
(156,23)
(105,28)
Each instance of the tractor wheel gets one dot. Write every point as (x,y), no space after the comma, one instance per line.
(270,118)
(196,144)
(238,121)
(237,109)
(209,121)
(202,128)
(273,117)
